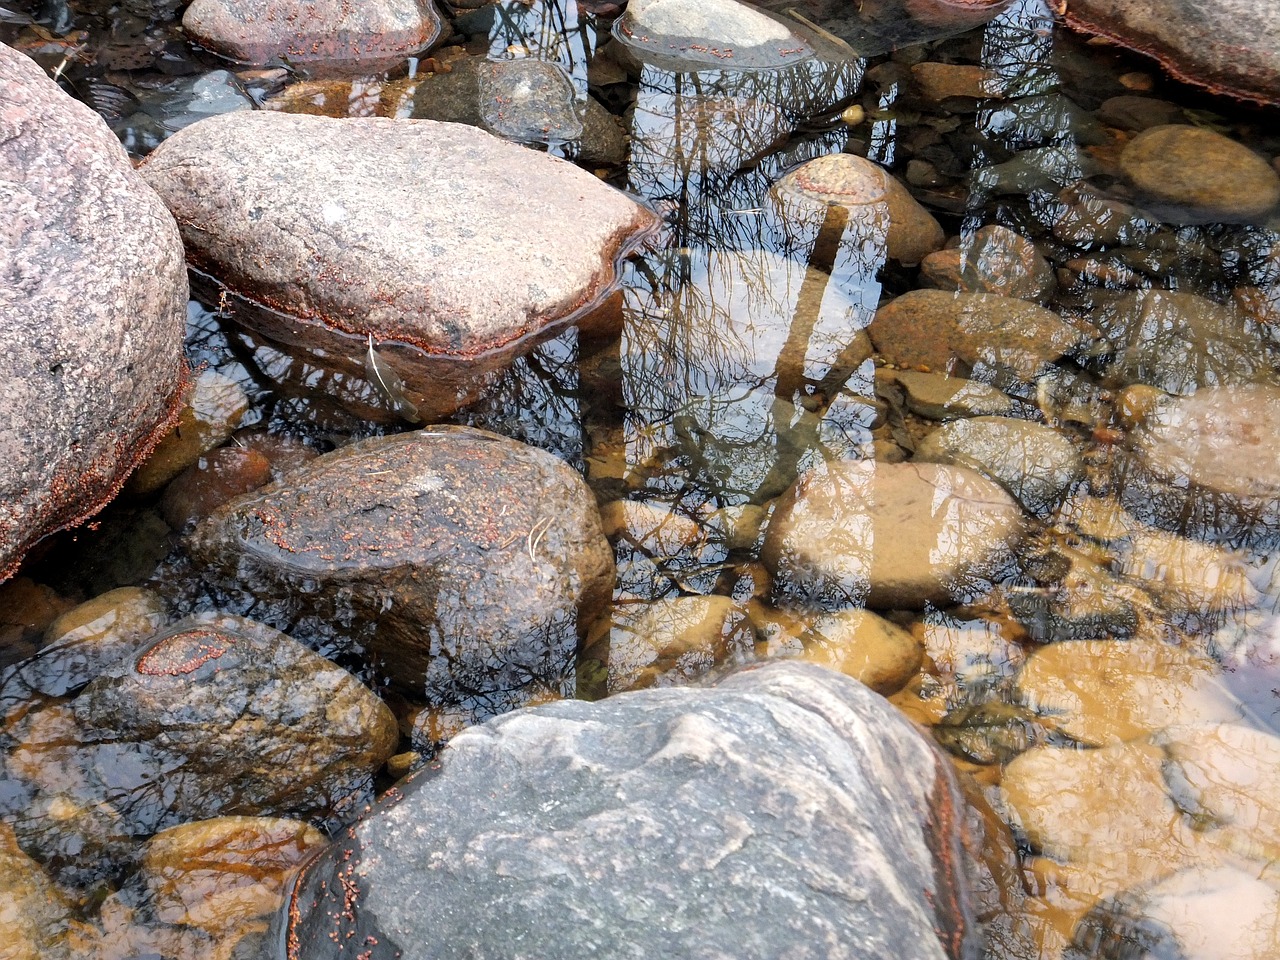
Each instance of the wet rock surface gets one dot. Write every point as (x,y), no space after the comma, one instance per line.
(468,201)
(564,814)
(256,722)
(672,641)
(1232,46)
(35,915)
(324,35)
(218,715)
(220,874)
(890,535)
(994,260)
(476,561)
(94,305)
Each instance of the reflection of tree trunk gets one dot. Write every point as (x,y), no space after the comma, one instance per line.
(789,370)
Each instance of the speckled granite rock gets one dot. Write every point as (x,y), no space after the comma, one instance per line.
(92,311)
(453,250)
(326,35)
(1231,46)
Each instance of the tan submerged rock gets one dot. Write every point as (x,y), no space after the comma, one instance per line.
(883,535)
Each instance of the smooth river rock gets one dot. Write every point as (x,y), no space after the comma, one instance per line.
(992,260)
(451,249)
(93,297)
(981,336)
(467,565)
(1230,46)
(1199,171)
(785,812)
(890,535)
(1033,461)
(252,721)
(868,193)
(1208,466)
(326,35)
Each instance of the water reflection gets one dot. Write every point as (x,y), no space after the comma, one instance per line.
(744,365)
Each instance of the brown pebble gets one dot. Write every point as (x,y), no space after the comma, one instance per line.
(1137,81)
(213,480)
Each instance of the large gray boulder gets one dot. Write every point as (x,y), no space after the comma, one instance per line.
(785,812)
(1228,46)
(93,295)
(451,249)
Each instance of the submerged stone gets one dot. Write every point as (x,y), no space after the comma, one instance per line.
(452,250)
(1229,774)
(889,535)
(223,873)
(1201,172)
(1208,466)
(935,396)
(35,916)
(992,260)
(1106,810)
(1033,461)
(465,565)
(528,101)
(1181,342)
(243,719)
(93,305)
(869,193)
(874,27)
(661,823)
(328,35)
(1104,691)
(671,641)
(864,646)
(212,411)
(1201,913)
(982,336)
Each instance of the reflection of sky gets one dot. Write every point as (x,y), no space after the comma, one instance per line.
(553,32)
(737,312)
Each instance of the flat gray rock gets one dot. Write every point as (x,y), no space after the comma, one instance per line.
(785,812)
(1229,46)
(452,249)
(93,297)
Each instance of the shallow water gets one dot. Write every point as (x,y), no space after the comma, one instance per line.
(739,368)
